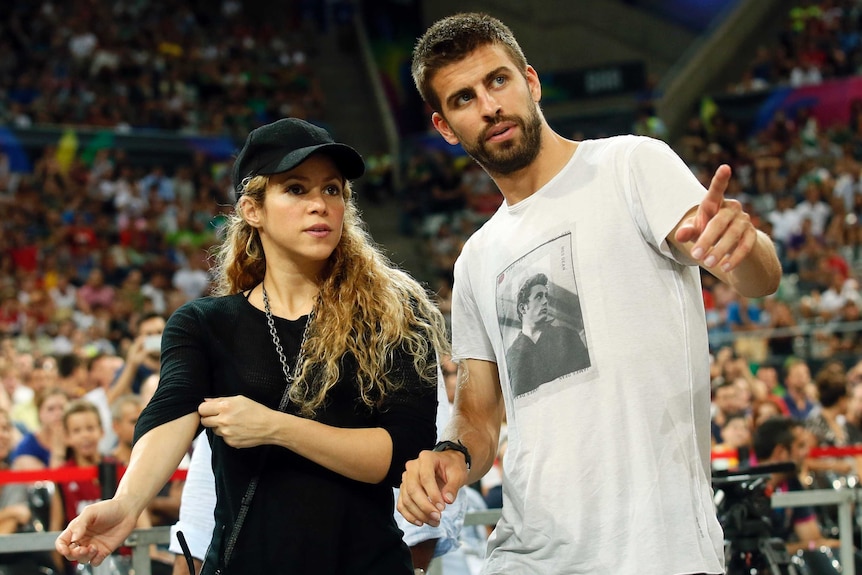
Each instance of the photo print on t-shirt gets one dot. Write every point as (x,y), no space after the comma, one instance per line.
(540,317)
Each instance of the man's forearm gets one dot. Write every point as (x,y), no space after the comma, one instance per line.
(481,441)
(760,272)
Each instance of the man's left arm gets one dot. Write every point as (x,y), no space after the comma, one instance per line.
(720,236)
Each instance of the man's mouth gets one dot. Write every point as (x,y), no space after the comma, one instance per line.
(499,131)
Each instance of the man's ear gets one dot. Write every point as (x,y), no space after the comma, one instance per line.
(442,126)
(534,84)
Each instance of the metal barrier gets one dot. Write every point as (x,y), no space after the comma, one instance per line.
(844,499)
(139,540)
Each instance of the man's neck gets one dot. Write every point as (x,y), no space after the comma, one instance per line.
(553,156)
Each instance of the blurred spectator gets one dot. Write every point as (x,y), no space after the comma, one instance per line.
(124,415)
(783,328)
(45,447)
(13,514)
(797,381)
(142,357)
(734,448)
(95,292)
(784,440)
(101,369)
(192,278)
(726,401)
(845,331)
(828,426)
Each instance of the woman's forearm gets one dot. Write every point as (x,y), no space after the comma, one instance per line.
(363,454)
(155,457)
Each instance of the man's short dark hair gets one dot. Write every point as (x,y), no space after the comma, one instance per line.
(775,431)
(68,363)
(452,39)
(539,279)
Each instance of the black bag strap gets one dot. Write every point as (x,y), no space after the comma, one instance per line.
(245,504)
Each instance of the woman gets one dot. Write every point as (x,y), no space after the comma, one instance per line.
(304,298)
(829,428)
(14,513)
(45,447)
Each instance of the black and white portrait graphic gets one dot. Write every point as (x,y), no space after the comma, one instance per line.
(540,317)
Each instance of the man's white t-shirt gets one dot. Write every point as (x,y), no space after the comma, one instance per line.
(607,467)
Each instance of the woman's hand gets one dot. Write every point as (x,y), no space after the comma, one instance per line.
(96,532)
(240,421)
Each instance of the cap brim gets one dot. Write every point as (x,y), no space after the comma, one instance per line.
(347,160)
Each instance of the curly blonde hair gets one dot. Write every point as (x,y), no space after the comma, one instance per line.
(367,308)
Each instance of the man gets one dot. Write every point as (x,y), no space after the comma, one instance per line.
(100,373)
(143,357)
(607,470)
(781,440)
(124,415)
(543,350)
(725,401)
(797,381)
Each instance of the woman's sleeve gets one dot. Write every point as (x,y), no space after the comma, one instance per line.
(185,373)
(409,415)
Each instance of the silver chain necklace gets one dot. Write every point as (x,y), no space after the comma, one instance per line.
(288,376)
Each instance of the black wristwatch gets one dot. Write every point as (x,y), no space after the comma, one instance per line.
(447,445)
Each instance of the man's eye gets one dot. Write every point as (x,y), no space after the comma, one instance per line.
(500,80)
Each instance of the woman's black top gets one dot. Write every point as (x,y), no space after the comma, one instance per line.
(304,518)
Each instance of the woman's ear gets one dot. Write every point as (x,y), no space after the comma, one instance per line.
(250,211)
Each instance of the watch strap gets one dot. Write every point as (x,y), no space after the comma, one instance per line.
(451,445)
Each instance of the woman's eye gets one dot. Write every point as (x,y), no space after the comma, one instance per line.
(294,189)
(333,190)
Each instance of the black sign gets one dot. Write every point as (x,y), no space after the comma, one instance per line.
(606,80)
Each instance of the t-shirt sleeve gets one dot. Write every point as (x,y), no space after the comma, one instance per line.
(661,189)
(185,376)
(408,415)
(469,338)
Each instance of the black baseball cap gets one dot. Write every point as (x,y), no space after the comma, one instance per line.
(286,143)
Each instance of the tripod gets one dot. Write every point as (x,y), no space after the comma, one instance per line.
(762,556)
(744,513)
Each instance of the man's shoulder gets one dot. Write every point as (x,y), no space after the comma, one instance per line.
(622,142)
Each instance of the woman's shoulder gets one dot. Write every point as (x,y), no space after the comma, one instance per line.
(212,305)
(207,313)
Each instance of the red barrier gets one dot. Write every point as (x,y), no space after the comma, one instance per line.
(816,452)
(847,451)
(67,474)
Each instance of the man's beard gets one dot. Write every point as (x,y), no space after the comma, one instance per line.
(511,155)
